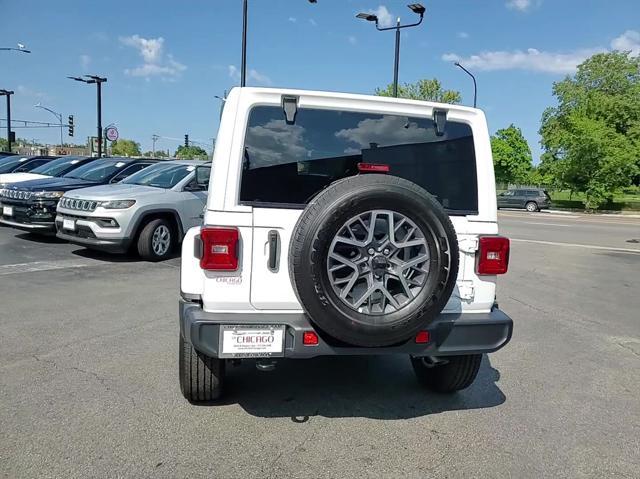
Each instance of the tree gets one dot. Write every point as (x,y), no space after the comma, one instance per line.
(3,144)
(426,89)
(511,156)
(191,153)
(125,148)
(157,154)
(593,136)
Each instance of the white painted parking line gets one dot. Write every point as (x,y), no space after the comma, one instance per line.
(42,266)
(546,224)
(576,245)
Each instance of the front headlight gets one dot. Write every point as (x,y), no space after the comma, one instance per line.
(48,195)
(117,204)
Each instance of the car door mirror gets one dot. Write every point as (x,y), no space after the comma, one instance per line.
(202,177)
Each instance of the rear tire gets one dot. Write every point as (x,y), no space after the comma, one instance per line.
(531,207)
(201,377)
(458,373)
(156,240)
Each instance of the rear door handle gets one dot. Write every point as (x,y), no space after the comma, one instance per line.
(273,263)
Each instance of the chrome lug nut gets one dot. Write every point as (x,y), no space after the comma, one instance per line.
(371,251)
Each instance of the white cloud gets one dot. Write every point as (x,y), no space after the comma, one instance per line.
(155,62)
(352,40)
(629,41)
(385,18)
(276,143)
(85,61)
(386,131)
(520,5)
(313,22)
(293,19)
(29,92)
(252,75)
(541,61)
(463,35)
(530,60)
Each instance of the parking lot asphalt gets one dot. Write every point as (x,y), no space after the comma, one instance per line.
(88,376)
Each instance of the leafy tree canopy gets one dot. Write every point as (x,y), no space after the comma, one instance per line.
(191,153)
(592,137)
(511,156)
(426,90)
(125,148)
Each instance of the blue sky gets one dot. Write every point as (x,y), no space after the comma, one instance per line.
(166,60)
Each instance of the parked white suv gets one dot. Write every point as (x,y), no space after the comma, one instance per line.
(344,225)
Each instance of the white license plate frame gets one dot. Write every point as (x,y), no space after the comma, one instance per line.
(229,348)
(68,224)
(7,211)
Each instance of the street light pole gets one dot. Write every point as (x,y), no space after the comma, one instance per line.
(396,64)
(98,81)
(416,8)
(58,116)
(8,94)
(243,65)
(475,85)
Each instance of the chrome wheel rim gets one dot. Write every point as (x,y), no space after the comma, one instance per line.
(378,262)
(161,240)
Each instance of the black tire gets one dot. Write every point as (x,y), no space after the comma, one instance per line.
(321,221)
(145,240)
(201,377)
(458,373)
(531,207)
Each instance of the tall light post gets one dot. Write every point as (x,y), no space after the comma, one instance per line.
(243,65)
(475,85)
(98,81)
(8,94)
(416,8)
(21,48)
(57,115)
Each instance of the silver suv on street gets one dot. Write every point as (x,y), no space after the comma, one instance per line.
(150,210)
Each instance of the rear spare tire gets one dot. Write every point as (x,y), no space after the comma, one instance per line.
(373,260)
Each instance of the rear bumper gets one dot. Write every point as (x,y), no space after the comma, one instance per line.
(451,334)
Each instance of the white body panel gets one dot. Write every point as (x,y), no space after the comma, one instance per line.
(254,287)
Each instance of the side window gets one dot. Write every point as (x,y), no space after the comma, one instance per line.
(29,165)
(128,171)
(203,172)
(288,164)
(531,193)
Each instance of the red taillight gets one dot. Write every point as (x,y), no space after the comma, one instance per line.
(372,168)
(493,255)
(309,338)
(219,249)
(422,337)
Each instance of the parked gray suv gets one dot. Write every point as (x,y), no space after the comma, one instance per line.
(531,199)
(150,210)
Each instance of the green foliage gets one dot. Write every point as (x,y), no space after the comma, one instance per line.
(191,153)
(3,144)
(157,154)
(592,138)
(125,148)
(511,156)
(426,90)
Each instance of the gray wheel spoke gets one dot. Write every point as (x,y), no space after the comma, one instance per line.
(376,262)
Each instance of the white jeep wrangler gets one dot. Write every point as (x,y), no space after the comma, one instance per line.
(341,224)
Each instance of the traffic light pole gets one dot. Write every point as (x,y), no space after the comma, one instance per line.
(99,90)
(9,121)
(8,94)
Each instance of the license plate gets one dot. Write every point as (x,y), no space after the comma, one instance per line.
(68,224)
(251,341)
(7,210)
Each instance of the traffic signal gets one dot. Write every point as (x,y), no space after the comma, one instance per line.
(70,125)
(186,140)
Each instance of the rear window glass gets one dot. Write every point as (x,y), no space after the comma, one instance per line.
(289,164)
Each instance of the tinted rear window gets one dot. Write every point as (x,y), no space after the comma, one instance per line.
(289,164)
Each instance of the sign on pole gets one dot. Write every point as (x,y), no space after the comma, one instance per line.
(112,133)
